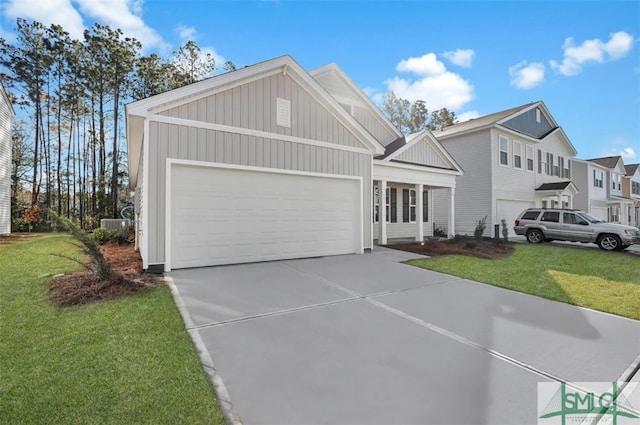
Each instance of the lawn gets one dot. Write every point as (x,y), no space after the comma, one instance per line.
(124,361)
(605,281)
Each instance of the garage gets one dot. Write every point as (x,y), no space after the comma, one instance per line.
(227,214)
(509,210)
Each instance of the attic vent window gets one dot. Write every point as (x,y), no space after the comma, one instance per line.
(537,115)
(283,107)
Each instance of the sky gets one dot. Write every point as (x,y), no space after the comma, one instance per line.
(582,58)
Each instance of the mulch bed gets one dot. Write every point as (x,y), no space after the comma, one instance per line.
(13,237)
(84,287)
(487,248)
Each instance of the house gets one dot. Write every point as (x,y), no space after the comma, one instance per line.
(591,178)
(512,160)
(631,190)
(617,205)
(264,163)
(6,118)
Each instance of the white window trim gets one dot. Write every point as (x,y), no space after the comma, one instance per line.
(500,151)
(533,160)
(413,199)
(515,155)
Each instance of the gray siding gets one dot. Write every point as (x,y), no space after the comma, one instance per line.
(582,180)
(424,153)
(526,123)
(6,116)
(253,106)
(181,142)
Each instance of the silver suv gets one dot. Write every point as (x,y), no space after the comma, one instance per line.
(548,224)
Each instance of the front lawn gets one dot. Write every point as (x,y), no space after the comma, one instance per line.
(127,361)
(605,281)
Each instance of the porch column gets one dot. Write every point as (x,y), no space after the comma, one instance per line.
(420,234)
(451,231)
(382,215)
(560,204)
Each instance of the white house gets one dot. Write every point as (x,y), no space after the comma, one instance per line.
(263,163)
(631,190)
(6,118)
(591,179)
(512,160)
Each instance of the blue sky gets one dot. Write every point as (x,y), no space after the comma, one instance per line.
(582,58)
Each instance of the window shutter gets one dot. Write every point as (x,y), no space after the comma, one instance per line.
(425,206)
(394,205)
(539,161)
(405,205)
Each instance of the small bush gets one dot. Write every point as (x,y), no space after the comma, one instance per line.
(440,232)
(102,236)
(505,230)
(481,225)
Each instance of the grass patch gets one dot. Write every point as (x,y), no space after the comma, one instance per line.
(123,361)
(605,281)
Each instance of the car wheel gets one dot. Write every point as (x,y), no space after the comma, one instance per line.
(609,242)
(535,236)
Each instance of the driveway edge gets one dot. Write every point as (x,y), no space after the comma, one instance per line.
(215,380)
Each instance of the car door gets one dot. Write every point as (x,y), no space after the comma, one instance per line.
(575,228)
(551,222)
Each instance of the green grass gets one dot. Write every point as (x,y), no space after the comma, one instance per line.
(123,361)
(605,281)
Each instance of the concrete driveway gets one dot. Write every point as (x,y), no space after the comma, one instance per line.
(364,339)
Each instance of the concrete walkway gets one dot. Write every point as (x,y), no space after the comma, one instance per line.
(364,339)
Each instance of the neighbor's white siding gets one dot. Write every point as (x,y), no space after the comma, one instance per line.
(251,106)
(6,116)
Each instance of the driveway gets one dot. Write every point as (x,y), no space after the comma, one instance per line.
(365,339)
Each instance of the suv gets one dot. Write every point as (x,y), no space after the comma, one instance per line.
(548,224)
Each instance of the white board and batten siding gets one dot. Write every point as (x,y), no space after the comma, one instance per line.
(6,117)
(244,133)
(243,214)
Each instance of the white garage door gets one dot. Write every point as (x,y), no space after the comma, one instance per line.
(229,215)
(509,210)
(600,212)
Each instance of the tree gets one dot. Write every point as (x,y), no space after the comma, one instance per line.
(191,64)
(152,76)
(414,117)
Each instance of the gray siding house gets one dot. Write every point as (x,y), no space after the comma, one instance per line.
(6,118)
(263,163)
(512,160)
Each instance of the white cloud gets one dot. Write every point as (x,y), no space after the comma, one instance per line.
(627,154)
(48,12)
(527,75)
(468,115)
(434,84)
(424,65)
(460,57)
(619,44)
(186,33)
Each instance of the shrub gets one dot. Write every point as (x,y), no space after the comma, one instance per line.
(481,225)
(440,232)
(102,236)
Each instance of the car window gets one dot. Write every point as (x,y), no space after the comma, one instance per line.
(570,218)
(553,216)
(530,215)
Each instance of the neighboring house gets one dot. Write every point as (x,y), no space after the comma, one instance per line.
(631,190)
(591,178)
(408,172)
(263,163)
(6,118)
(512,160)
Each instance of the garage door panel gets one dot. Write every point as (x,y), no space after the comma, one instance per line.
(226,216)
(509,210)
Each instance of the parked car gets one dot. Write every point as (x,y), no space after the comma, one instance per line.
(548,224)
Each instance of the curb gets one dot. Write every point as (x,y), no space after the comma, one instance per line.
(219,388)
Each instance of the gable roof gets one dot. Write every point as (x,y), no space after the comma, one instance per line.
(631,169)
(137,112)
(554,186)
(481,122)
(334,69)
(607,161)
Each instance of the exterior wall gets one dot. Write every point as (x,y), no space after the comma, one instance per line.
(591,199)
(6,116)
(368,120)
(473,195)
(251,106)
(406,230)
(527,123)
(423,153)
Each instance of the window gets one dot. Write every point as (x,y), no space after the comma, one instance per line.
(530,158)
(530,215)
(425,206)
(556,166)
(553,216)
(409,205)
(517,155)
(570,218)
(543,162)
(566,168)
(635,188)
(616,181)
(391,205)
(598,178)
(504,150)
(376,204)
